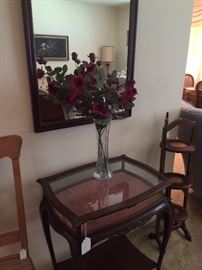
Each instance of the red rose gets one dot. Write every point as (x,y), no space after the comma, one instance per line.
(100,110)
(91,80)
(52,88)
(39,73)
(85,63)
(75,58)
(98,63)
(92,57)
(129,93)
(41,61)
(78,82)
(89,66)
(71,99)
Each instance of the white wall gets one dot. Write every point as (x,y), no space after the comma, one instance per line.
(162,42)
(88,26)
(122,36)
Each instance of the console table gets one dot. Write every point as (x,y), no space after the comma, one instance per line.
(78,206)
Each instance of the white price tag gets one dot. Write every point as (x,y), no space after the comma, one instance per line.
(86,245)
(23,254)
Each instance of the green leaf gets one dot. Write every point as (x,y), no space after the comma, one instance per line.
(99,80)
(53,73)
(129,105)
(48,68)
(58,69)
(48,79)
(65,68)
(102,73)
(114,75)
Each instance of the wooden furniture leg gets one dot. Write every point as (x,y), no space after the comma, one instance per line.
(46,228)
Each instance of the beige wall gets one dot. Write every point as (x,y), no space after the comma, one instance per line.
(162,41)
(122,36)
(89,26)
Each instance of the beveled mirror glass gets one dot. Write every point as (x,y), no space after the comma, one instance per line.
(105,27)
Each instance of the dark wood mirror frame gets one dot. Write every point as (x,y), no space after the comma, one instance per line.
(29,41)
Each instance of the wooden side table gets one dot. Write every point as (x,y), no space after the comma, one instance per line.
(76,205)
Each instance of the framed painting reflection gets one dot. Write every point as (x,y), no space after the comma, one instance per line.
(51,47)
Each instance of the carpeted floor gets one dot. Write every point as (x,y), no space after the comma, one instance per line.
(180,253)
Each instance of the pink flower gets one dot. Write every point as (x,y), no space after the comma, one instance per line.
(100,110)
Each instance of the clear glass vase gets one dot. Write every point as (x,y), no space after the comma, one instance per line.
(102,170)
(68,112)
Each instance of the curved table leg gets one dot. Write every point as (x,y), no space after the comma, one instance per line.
(46,228)
(75,246)
(157,234)
(186,232)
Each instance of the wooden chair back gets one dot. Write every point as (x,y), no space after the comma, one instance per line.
(198,90)
(188,80)
(178,123)
(10,147)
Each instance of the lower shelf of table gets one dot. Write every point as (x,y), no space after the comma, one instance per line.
(115,254)
(65,265)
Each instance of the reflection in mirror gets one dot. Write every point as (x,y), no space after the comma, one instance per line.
(63,27)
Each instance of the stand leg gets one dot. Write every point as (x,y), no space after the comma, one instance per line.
(186,232)
(185,198)
(188,165)
(156,235)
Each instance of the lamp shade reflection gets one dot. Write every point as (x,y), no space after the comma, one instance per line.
(107,55)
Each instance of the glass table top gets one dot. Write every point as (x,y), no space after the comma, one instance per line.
(82,194)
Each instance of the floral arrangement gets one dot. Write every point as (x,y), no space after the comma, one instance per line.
(93,93)
(90,90)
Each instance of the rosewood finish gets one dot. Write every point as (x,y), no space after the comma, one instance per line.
(76,205)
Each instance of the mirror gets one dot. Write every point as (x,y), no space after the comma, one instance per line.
(105,27)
